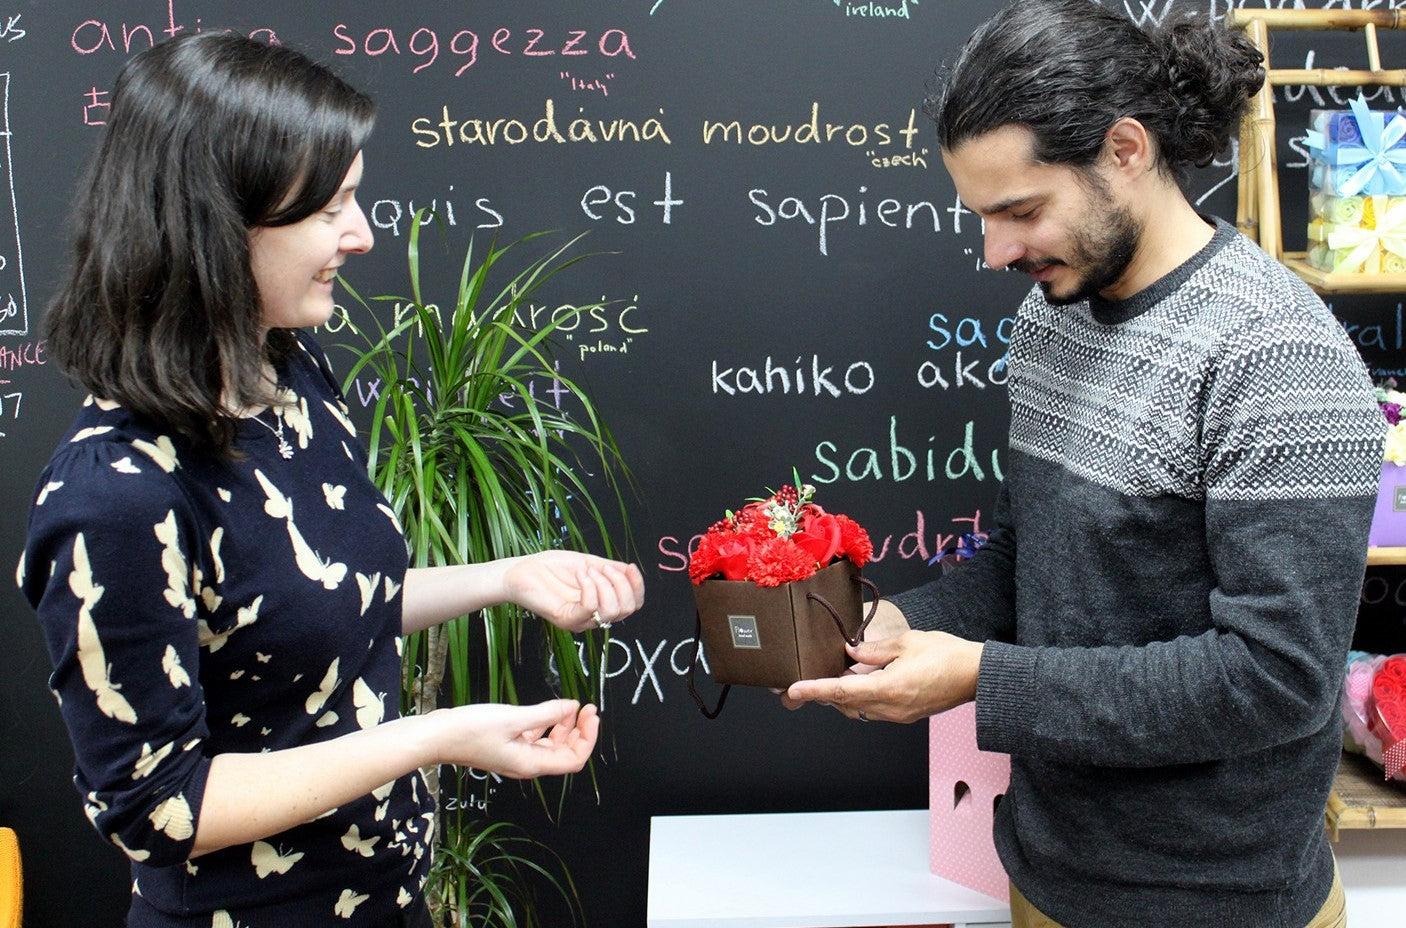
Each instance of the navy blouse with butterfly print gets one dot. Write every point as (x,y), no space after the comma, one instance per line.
(193,607)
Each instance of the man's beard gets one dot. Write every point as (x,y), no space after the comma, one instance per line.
(1103,249)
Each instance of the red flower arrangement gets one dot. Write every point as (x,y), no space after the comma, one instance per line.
(779,539)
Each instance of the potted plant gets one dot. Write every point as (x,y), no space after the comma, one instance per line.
(477,465)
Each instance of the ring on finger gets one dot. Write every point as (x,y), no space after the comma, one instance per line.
(598,621)
(862,716)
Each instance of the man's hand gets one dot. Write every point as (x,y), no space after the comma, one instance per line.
(888,622)
(907,678)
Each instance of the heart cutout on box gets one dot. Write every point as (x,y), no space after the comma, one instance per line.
(1389,713)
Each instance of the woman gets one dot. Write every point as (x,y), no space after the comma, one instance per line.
(221,586)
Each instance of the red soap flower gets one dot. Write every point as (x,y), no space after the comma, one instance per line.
(854,541)
(778,561)
(820,536)
(776,540)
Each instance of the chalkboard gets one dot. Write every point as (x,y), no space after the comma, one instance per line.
(789,281)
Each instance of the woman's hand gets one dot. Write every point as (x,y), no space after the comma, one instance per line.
(574,591)
(519,742)
(571,590)
(248,795)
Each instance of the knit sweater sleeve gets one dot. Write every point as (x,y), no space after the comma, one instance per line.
(110,568)
(1290,451)
(977,601)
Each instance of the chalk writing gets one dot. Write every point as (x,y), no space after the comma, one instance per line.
(570,320)
(471,803)
(620,203)
(966,331)
(30,354)
(11,31)
(9,403)
(898,9)
(392,215)
(832,208)
(95,35)
(14,303)
(1375,335)
(895,461)
(770,377)
(623,655)
(814,132)
(963,373)
(450,129)
(916,159)
(620,657)
(598,85)
(367,390)
(1231,164)
(1378,589)
(1150,12)
(95,110)
(466,45)
(957,369)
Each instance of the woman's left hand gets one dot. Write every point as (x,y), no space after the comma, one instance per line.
(574,591)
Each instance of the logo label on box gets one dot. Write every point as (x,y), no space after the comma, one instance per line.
(1398,499)
(744,632)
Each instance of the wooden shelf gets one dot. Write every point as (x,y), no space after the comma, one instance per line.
(1380,556)
(1361,798)
(1326,282)
(1257,196)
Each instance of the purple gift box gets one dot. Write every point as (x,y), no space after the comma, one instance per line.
(1389,519)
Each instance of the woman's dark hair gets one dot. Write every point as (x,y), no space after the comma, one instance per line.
(1068,69)
(209,136)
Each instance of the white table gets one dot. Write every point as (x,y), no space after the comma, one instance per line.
(804,870)
(1373,867)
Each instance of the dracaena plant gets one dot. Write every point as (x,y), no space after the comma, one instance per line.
(477,465)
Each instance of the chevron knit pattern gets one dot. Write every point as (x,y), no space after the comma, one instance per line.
(1195,385)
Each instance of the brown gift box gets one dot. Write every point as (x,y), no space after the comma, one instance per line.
(773,636)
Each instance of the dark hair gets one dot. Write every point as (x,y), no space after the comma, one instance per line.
(209,136)
(1068,69)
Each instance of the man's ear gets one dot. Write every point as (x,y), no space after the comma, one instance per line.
(1129,147)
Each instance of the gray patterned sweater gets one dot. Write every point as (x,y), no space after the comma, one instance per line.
(1168,596)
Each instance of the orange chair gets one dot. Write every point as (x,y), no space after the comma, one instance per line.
(11,880)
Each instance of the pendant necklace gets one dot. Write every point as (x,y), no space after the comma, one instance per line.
(285,449)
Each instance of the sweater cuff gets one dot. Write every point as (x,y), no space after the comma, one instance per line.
(919,608)
(1005,697)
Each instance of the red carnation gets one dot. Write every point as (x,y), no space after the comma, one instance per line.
(777,561)
(721,553)
(854,541)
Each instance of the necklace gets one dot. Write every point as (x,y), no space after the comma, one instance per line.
(285,449)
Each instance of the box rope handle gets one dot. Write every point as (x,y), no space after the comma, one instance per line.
(824,603)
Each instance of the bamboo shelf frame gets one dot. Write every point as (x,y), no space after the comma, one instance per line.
(1377,557)
(1361,798)
(1257,210)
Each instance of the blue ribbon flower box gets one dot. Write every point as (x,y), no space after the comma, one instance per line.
(1357,152)
(1357,183)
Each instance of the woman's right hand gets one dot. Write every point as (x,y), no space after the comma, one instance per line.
(518,742)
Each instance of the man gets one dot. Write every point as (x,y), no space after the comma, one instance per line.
(1156,630)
